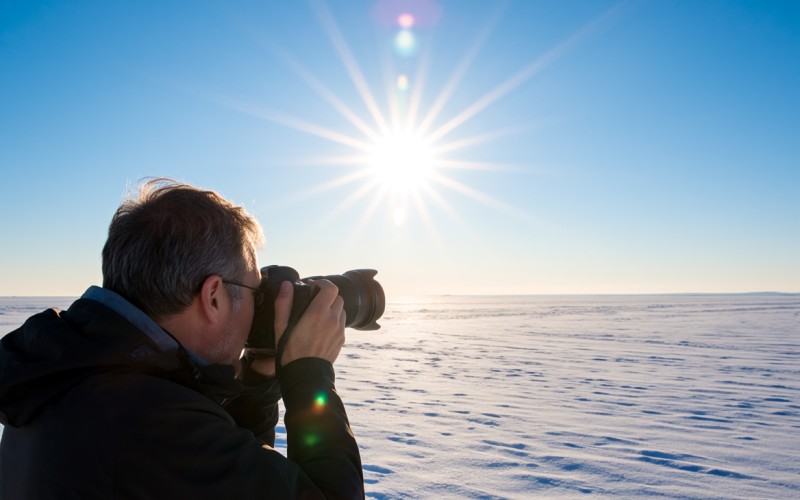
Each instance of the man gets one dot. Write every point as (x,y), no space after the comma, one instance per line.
(138,390)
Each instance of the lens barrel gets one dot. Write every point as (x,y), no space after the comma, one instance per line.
(364,301)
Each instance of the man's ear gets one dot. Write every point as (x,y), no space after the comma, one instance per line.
(212,298)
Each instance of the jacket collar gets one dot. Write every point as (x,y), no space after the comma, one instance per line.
(161,338)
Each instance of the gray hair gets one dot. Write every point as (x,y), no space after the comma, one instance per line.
(164,243)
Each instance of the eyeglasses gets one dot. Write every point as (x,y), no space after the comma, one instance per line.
(258,295)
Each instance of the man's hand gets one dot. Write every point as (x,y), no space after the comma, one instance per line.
(320,331)
(318,334)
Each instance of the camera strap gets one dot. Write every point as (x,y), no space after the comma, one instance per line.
(281,346)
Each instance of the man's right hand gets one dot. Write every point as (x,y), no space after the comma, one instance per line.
(320,331)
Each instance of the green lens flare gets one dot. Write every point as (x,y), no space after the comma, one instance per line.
(311,439)
(321,400)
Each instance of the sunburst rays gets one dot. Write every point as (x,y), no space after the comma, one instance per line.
(402,157)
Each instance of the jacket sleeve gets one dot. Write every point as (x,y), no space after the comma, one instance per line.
(319,438)
(180,444)
(255,407)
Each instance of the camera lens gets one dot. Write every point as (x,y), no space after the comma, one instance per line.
(364,300)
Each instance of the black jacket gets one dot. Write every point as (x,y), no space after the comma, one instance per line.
(92,409)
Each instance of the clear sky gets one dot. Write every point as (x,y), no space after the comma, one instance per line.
(457,146)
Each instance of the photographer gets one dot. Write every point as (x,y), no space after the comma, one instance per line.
(138,389)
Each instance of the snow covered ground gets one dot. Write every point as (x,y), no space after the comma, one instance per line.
(673,396)
(693,396)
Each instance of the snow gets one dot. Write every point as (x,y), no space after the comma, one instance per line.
(675,396)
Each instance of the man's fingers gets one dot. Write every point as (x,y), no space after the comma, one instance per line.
(327,295)
(320,331)
(338,304)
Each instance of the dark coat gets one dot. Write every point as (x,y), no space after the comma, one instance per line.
(92,409)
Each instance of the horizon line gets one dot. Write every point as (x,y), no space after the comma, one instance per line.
(512,294)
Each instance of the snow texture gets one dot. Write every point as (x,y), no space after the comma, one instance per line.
(672,396)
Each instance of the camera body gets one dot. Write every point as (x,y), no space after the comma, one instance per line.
(364,302)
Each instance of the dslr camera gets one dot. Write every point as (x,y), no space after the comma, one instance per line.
(364,302)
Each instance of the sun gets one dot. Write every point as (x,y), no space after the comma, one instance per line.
(401,161)
(400,164)
(403,154)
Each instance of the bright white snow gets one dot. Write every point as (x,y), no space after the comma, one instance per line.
(627,396)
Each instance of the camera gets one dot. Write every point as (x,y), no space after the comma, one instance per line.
(364,302)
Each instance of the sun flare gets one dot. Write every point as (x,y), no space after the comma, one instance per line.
(402,155)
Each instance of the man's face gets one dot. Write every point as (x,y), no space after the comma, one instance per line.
(239,319)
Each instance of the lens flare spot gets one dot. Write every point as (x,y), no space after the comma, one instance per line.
(405,20)
(402,82)
(311,439)
(320,401)
(405,43)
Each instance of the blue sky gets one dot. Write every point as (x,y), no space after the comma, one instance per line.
(571,147)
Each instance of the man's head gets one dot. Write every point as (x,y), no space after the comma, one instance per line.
(166,242)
